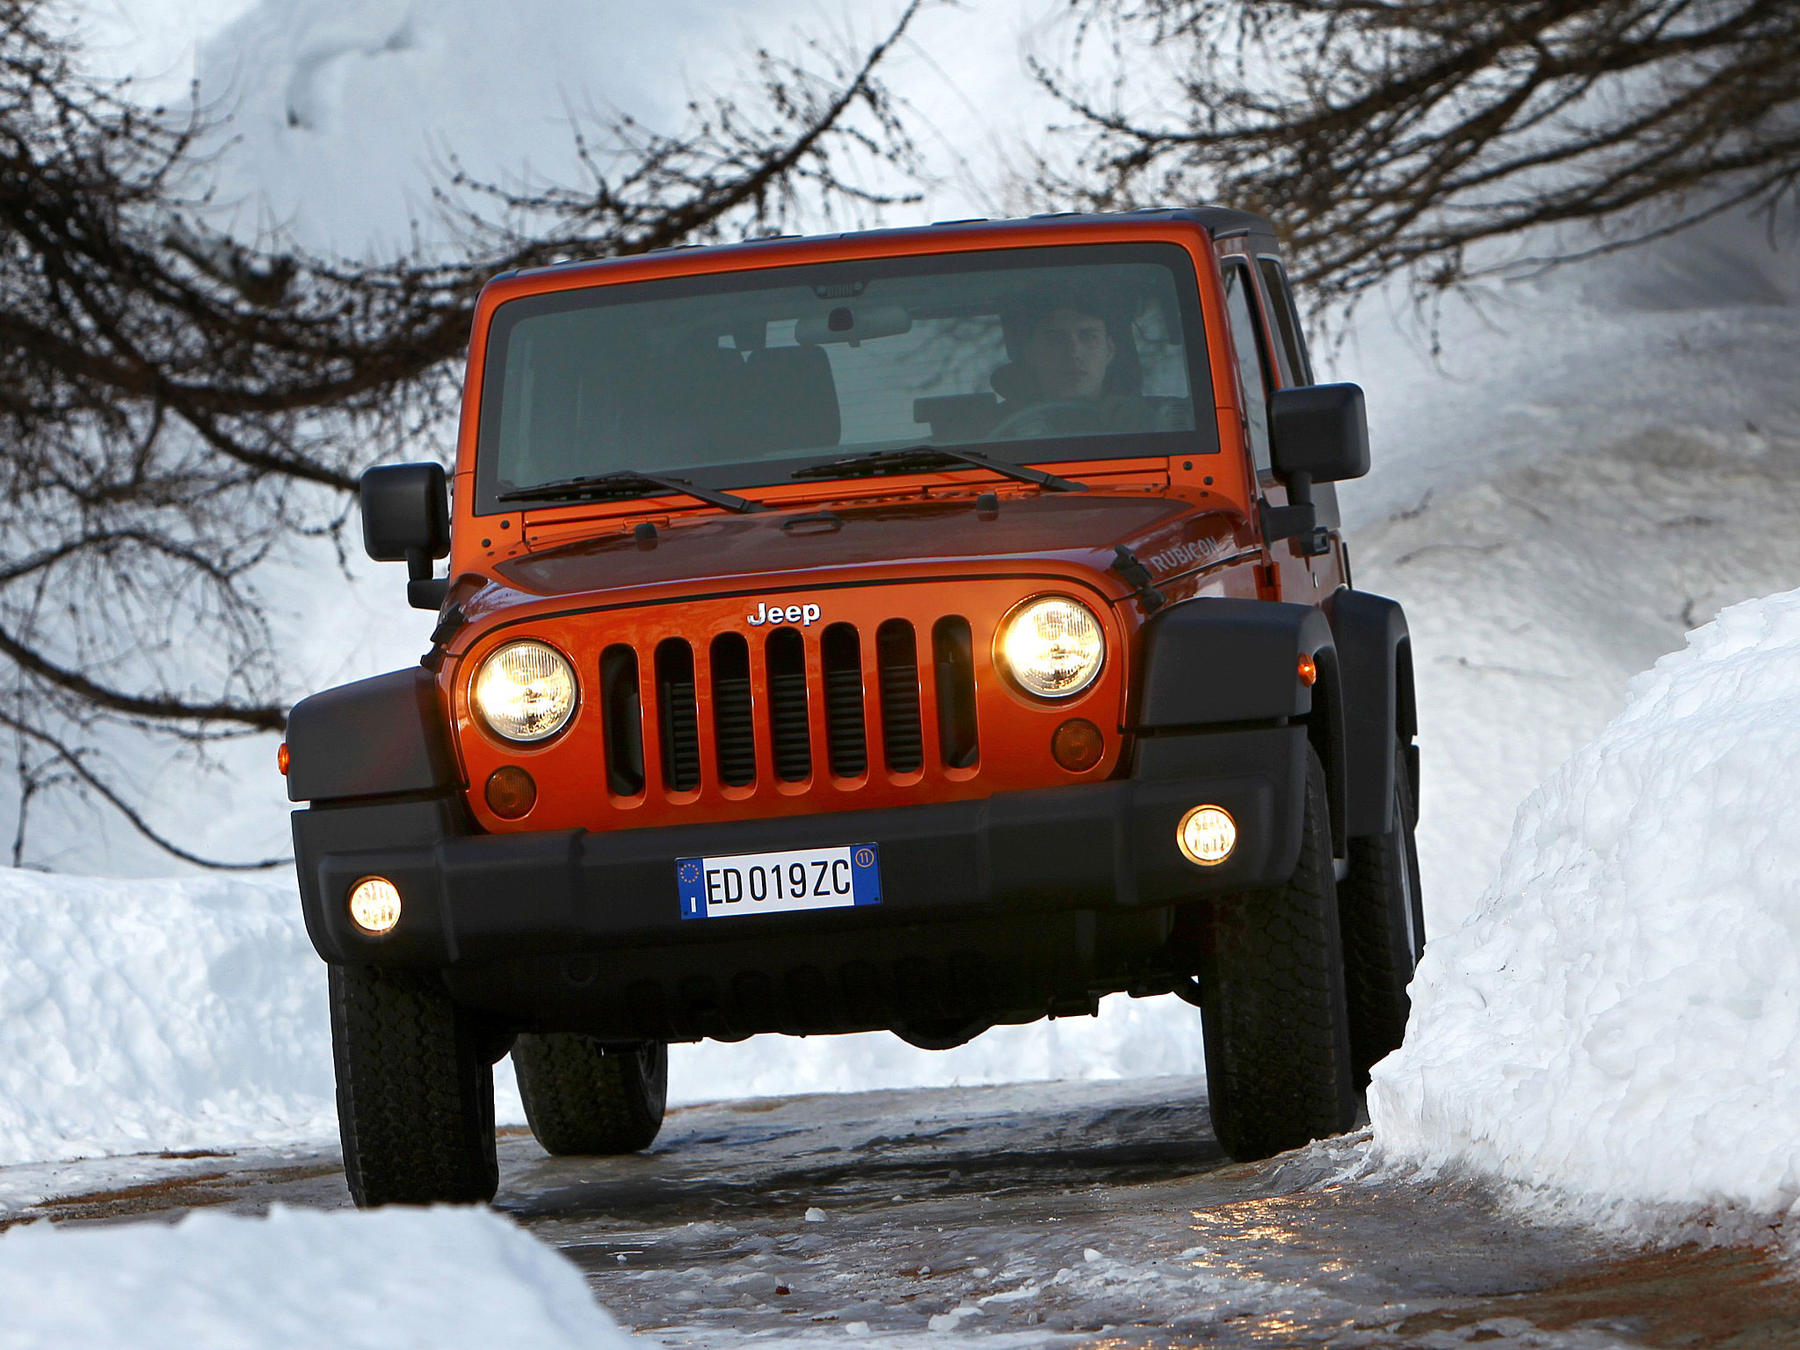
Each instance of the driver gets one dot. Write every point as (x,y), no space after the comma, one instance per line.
(1067,354)
(1074,360)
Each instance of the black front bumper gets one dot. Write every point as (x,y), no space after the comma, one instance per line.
(523,923)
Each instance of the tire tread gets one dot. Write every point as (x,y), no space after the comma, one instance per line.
(583,1099)
(414,1093)
(1272,995)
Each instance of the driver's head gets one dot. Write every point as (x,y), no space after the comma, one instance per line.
(1067,351)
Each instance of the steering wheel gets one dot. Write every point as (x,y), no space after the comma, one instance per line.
(1063,417)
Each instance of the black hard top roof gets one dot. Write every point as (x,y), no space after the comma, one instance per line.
(1221,222)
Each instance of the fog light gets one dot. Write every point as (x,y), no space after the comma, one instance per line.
(510,792)
(1206,835)
(375,906)
(1077,745)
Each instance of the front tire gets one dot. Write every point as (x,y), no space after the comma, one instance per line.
(1278,1069)
(585,1099)
(415,1091)
(1383,918)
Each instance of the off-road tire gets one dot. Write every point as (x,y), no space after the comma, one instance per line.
(1383,921)
(584,1099)
(415,1091)
(1278,1071)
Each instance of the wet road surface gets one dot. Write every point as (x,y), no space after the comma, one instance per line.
(1068,1214)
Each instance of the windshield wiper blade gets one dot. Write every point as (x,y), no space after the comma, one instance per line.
(627,483)
(932,457)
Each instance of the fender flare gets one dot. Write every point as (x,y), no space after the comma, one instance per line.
(385,736)
(1374,649)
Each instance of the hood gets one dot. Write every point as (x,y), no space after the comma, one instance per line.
(1079,530)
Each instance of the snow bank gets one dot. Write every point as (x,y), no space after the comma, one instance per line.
(145,1015)
(445,1278)
(142,1016)
(1621,1021)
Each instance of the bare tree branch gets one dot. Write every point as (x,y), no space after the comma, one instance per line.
(1387,137)
(177,406)
(72,760)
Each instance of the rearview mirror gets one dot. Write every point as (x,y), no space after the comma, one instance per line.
(853,324)
(406,518)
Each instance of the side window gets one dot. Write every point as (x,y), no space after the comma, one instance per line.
(1252,369)
(1295,368)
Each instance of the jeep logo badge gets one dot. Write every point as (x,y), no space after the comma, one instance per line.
(804,615)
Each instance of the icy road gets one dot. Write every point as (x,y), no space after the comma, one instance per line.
(1091,1215)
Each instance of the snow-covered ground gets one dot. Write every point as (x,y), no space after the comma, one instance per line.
(451,1279)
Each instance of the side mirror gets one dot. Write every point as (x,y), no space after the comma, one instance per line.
(1318,433)
(406,518)
(1320,430)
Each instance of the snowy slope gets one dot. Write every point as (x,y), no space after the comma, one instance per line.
(1620,1022)
(1598,463)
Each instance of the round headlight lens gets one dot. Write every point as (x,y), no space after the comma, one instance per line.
(525,691)
(1053,646)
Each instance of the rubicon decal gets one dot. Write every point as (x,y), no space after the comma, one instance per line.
(1193,553)
(804,615)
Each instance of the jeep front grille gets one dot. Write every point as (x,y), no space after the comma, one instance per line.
(775,709)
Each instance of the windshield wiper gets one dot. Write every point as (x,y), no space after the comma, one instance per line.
(932,457)
(627,483)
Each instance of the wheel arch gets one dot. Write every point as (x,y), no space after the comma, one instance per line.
(1379,704)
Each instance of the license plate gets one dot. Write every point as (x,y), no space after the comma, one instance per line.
(778,883)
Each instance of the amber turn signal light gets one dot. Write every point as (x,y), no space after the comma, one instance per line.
(1077,745)
(281,759)
(511,792)
(1309,671)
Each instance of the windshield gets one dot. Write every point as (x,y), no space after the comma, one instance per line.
(1034,355)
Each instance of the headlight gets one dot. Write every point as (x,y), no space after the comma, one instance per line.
(1052,646)
(524,691)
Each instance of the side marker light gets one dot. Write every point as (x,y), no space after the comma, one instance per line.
(1078,745)
(375,906)
(282,759)
(511,792)
(1206,835)
(1309,671)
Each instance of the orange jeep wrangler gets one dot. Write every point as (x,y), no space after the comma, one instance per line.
(912,630)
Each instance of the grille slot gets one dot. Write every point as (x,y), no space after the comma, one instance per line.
(789,732)
(676,715)
(897,662)
(953,657)
(734,716)
(846,741)
(622,721)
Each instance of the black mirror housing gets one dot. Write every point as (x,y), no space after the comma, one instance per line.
(406,518)
(1321,431)
(405,510)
